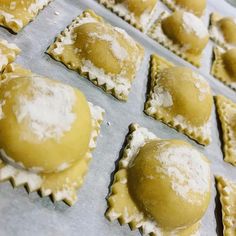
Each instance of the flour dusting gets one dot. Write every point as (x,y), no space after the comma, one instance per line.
(193,24)
(48,108)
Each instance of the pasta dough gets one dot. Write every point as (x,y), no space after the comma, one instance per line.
(106,55)
(138,13)
(223,30)
(15,14)
(168,99)
(53,130)
(183,33)
(227,113)
(8,53)
(178,173)
(193,6)
(224,66)
(227,191)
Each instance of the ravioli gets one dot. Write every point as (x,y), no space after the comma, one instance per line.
(224,66)
(106,55)
(15,14)
(169,100)
(183,33)
(138,13)
(223,30)
(180,176)
(196,7)
(8,53)
(227,191)
(48,130)
(227,114)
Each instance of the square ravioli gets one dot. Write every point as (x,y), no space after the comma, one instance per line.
(138,13)
(193,6)
(15,14)
(223,30)
(168,99)
(173,169)
(8,53)
(182,33)
(45,124)
(227,191)
(224,66)
(226,110)
(104,54)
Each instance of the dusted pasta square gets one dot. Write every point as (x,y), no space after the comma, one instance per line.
(15,14)
(104,54)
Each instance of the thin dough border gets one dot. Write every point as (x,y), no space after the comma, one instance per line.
(227,191)
(226,110)
(8,53)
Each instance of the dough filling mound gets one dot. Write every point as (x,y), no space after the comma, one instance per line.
(47,132)
(183,33)
(155,180)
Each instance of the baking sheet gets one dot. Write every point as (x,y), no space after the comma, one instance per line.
(23,214)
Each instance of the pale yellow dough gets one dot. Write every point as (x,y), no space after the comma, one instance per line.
(227,191)
(15,14)
(193,6)
(104,54)
(183,33)
(8,53)
(138,13)
(227,114)
(224,66)
(55,163)
(146,166)
(168,99)
(223,30)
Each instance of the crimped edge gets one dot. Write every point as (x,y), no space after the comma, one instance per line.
(222,186)
(156,63)
(14,51)
(132,21)
(218,63)
(137,222)
(222,110)
(110,90)
(169,44)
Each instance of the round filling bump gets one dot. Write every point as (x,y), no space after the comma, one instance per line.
(186,30)
(45,125)
(166,176)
